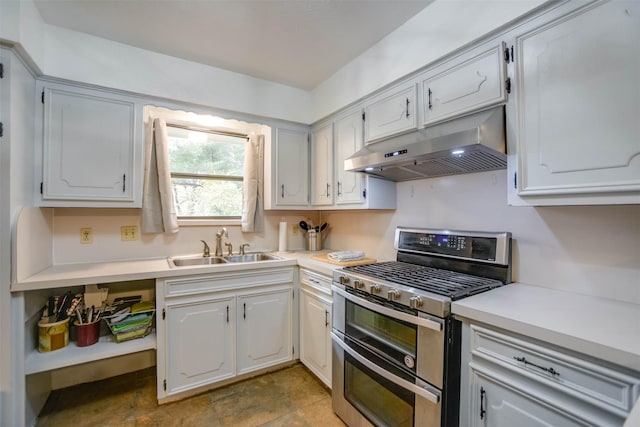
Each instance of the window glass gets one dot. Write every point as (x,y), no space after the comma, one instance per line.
(206,173)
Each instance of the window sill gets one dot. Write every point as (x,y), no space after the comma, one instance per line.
(208,222)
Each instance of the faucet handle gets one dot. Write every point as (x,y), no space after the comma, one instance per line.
(229,247)
(206,252)
(242,246)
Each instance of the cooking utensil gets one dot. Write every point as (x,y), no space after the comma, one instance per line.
(304,225)
(323,226)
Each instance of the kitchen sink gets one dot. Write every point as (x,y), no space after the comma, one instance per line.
(196,260)
(250,257)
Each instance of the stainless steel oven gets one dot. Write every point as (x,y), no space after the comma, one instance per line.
(396,348)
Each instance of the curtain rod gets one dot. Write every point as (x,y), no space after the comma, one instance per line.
(208,130)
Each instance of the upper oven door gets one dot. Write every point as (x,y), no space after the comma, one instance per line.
(411,342)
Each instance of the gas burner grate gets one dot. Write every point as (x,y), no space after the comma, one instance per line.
(442,282)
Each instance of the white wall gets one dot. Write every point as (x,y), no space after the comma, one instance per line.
(440,28)
(593,250)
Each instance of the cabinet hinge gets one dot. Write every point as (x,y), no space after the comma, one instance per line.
(164,385)
(515,180)
(1,129)
(364,193)
(1,71)
(363,116)
(164,314)
(293,350)
(42,97)
(41,185)
(507,85)
(508,54)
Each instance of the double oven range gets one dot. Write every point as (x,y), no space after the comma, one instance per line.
(396,346)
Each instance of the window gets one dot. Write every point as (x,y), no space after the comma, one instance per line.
(206,172)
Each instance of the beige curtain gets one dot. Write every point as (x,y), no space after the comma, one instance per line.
(158,209)
(253,185)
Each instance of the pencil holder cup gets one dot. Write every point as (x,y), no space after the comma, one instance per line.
(52,335)
(87,333)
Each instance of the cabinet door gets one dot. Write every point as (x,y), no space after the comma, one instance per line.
(390,113)
(322,165)
(90,150)
(264,336)
(472,85)
(497,404)
(291,168)
(348,140)
(199,343)
(315,338)
(578,105)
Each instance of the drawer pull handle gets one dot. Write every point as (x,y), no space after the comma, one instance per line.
(482,410)
(526,362)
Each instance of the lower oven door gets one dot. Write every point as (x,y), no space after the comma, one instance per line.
(369,391)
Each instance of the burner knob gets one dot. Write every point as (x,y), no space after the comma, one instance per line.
(374,289)
(358,284)
(415,302)
(393,294)
(344,280)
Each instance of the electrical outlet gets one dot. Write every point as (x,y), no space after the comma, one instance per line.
(294,229)
(129,233)
(86,236)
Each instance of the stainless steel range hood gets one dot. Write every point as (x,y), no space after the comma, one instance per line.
(472,143)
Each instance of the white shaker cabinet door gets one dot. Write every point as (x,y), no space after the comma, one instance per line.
(315,334)
(322,165)
(390,113)
(578,109)
(348,140)
(464,87)
(92,147)
(264,329)
(199,343)
(291,168)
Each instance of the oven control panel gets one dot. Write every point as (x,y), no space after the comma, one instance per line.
(468,245)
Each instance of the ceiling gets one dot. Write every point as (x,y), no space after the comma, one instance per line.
(299,43)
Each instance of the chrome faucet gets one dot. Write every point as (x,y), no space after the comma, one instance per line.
(242,246)
(219,234)
(229,248)
(206,252)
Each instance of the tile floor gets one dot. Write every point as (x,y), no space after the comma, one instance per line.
(289,397)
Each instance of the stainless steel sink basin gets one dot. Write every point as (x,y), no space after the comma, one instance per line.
(196,260)
(250,257)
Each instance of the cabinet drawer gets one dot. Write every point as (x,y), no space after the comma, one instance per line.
(227,281)
(570,374)
(316,281)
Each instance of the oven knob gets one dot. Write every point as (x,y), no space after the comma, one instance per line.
(358,284)
(415,302)
(344,280)
(374,289)
(393,294)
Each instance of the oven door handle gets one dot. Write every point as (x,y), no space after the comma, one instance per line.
(407,385)
(414,320)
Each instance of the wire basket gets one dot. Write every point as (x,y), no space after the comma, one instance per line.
(131,326)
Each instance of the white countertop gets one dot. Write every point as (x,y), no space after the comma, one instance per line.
(599,327)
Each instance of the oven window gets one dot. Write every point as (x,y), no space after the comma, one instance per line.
(392,337)
(382,402)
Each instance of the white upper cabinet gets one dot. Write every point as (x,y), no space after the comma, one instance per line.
(391,112)
(463,85)
(92,148)
(287,170)
(576,123)
(348,140)
(322,165)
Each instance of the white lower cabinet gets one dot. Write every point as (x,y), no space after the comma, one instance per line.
(315,324)
(517,381)
(199,342)
(264,329)
(216,327)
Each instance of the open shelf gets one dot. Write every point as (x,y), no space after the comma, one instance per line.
(73,355)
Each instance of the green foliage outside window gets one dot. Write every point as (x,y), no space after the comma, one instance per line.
(206,173)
